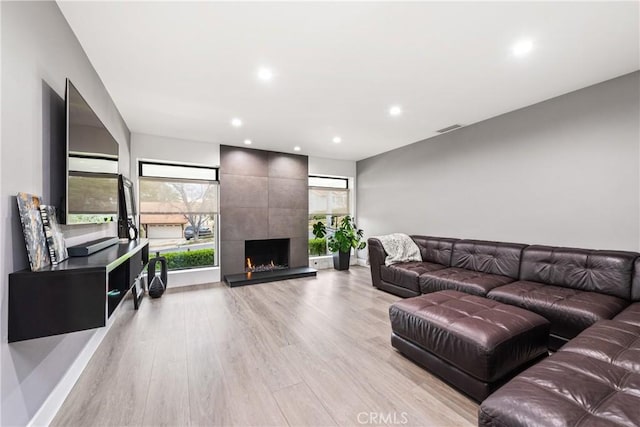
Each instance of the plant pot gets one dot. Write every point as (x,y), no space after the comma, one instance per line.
(341,260)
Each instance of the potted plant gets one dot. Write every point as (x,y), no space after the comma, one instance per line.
(345,237)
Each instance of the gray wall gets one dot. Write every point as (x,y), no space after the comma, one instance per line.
(263,195)
(39,51)
(562,172)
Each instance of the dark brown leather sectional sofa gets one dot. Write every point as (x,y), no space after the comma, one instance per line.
(572,288)
(592,380)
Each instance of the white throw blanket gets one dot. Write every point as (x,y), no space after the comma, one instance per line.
(399,248)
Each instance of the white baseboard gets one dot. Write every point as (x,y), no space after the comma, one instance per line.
(326,262)
(194,276)
(56,398)
(321,262)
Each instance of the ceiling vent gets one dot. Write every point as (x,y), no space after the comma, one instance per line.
(449,128)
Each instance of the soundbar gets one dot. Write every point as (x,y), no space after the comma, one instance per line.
(88,248)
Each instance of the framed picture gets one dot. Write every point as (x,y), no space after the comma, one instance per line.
(53,233)
(33,230)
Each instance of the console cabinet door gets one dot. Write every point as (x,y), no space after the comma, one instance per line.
(67,301)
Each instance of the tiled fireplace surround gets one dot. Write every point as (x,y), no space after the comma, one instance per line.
(263,195)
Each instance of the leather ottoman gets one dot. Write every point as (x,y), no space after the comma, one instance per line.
(473,343)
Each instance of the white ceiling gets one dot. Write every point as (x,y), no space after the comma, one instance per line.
(185,70)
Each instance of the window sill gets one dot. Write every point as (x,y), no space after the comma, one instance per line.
(193,276)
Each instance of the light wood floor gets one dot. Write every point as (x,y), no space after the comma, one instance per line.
(309,351)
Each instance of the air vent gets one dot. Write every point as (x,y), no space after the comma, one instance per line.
(449,128)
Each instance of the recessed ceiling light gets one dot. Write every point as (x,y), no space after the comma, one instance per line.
(296,148)
(236,122)
(337,139)
(247,142)
(395,110)
(265,74)
(522,47)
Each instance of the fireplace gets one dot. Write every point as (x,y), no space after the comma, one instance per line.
(267,260)
(263,195)
(266,255)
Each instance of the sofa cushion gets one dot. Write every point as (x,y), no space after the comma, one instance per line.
(435,249)
(405,274)
(614,342)
(605,272)
(502,259)
(630,315)
(569,310)
(459,279)
(566,389)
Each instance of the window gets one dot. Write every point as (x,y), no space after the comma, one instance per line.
(329,202)
(327,182)
(179,213)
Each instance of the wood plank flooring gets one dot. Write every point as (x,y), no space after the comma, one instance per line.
(312,351)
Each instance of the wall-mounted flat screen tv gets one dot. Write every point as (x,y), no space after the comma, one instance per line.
(92,165)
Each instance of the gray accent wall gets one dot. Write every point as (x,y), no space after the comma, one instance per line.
(565,172)
(39,50)
(263,195)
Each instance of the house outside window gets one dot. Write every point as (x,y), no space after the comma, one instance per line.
(329,202)
(179,213)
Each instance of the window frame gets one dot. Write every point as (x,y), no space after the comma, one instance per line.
(141,174)
(216,181)
(346,182)
(346,189)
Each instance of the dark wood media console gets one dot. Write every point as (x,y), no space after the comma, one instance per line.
(75,295)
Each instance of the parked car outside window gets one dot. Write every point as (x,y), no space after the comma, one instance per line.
(203,232)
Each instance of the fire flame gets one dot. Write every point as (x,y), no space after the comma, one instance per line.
(263,267)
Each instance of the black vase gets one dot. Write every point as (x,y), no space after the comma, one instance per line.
(156,287)
(158,284)
(341,260)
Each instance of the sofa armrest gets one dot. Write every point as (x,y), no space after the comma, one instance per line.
(377,255)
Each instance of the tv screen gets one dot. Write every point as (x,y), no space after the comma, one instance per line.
(92,165)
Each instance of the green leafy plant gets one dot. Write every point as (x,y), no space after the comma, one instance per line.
(318,246)
(346,236)
(189,259)
(319,230)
